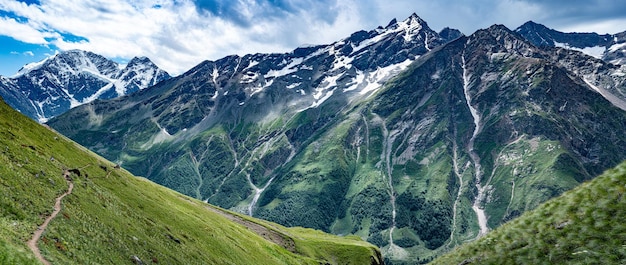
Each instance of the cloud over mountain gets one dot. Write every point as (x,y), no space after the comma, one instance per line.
(180,34)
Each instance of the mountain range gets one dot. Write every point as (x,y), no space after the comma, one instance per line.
(414,140)
(48,88)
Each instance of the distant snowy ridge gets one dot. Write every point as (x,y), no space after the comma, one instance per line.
(607,47)
(44,89)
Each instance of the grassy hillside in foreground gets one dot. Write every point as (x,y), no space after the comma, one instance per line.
(583,226)
(112,217)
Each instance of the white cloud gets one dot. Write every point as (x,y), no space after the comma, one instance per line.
(178,34)
(611,26)
(29,53)
(23,32)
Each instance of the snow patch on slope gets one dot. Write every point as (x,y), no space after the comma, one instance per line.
(616,101)
(366,82)
(617,47)
(596,51)
(288,69)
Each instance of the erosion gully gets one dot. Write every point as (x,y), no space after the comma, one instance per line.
(482,189)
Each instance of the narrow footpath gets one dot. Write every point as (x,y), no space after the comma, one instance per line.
(32,243)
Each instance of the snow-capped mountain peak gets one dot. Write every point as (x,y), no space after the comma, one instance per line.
(309,77)
(411,27)
(413,22)
(65,80)
(139,73)
(32,66)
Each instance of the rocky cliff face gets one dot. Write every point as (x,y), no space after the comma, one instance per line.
(48,88)
(392,135)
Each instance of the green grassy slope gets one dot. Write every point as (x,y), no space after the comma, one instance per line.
(112,216)
(583,226)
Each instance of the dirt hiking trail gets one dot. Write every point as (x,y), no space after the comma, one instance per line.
(32,243)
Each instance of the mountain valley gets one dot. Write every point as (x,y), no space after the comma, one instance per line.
(413,140)
(108,216)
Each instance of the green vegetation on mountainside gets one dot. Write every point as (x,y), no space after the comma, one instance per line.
(582,226)
(481,129)
(10,254)
(111,216)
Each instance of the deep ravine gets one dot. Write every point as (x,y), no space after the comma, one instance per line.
(387,170)
(257,192)
(196,168)
(231,148)
(477,207)
(459,175)
(196,162)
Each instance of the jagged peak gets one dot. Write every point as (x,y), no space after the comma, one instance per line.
(75,54)
(73,51)
(498,28)
(414,18)
(140,60)
(449,34)
(413,21)
(409,28)
(498,38)
(76,59)
(80,60)
(497,31)
(531,25)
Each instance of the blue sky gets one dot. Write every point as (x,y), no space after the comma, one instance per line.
(178,34)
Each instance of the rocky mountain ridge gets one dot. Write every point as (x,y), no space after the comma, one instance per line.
(608,47)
